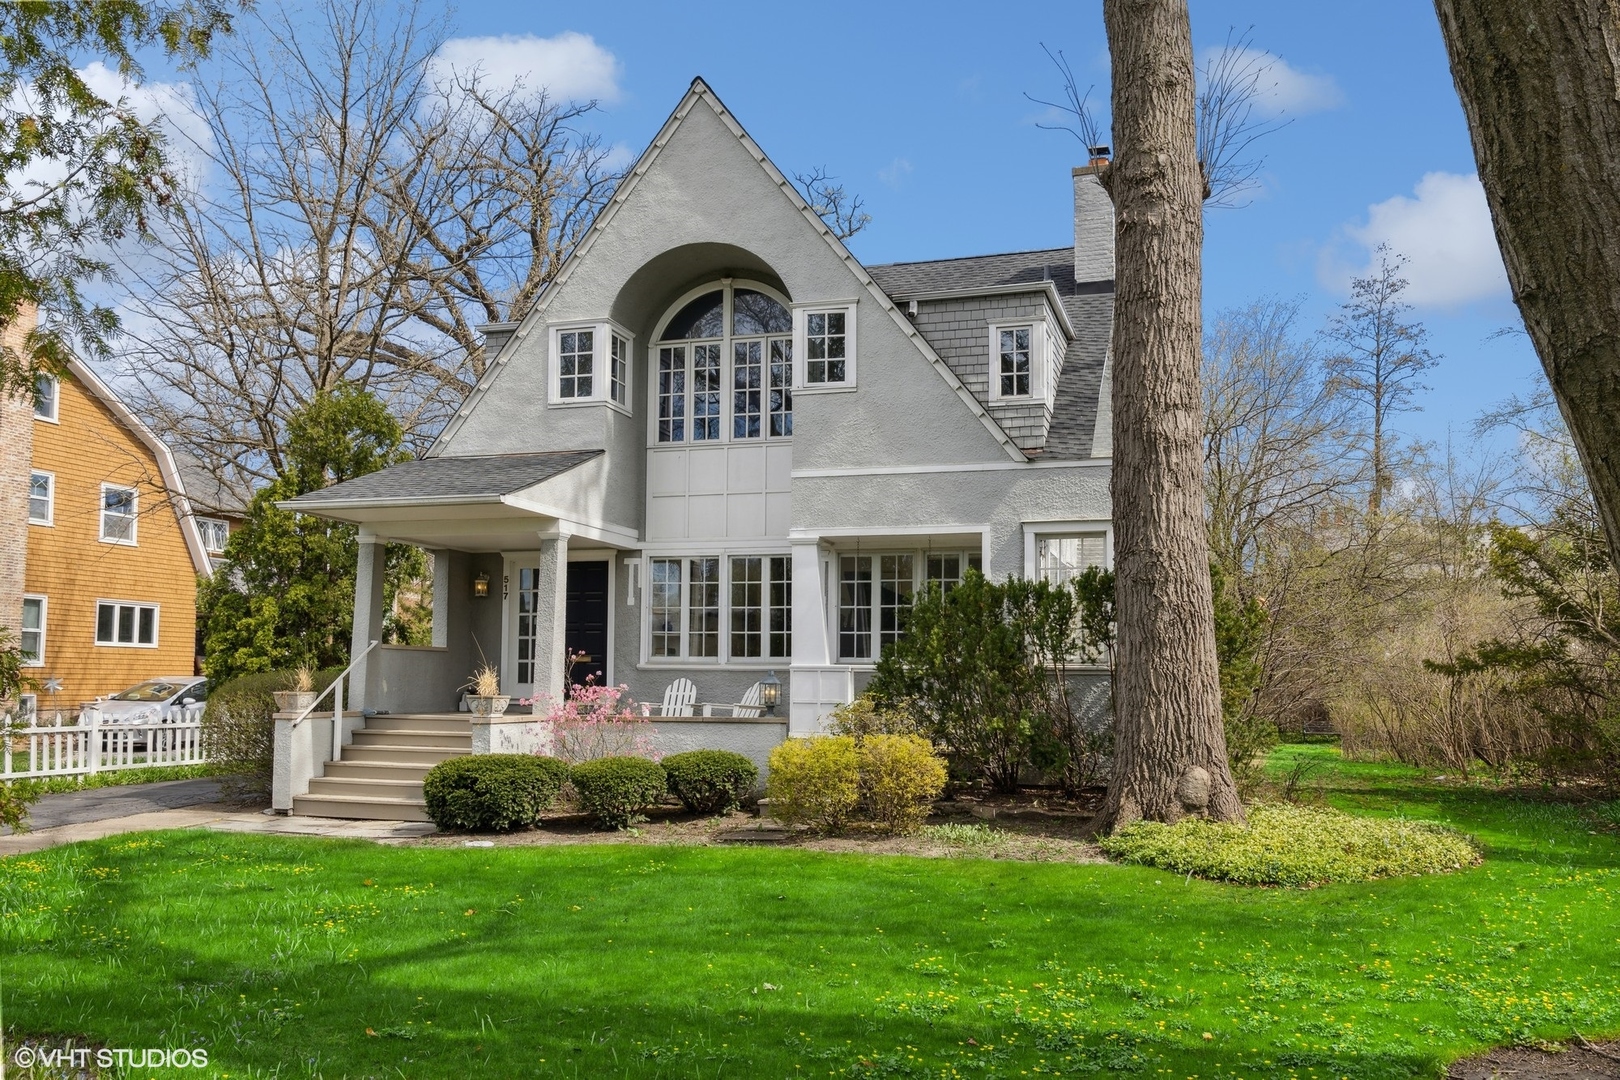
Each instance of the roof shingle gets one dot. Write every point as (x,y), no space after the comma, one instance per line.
(448,478)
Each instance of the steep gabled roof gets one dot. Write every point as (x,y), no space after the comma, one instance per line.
(700,91)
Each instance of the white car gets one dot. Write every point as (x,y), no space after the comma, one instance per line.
(155,699)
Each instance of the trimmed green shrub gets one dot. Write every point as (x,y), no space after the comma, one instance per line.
(617,789)
(1294,845)
(492,792)
(710,781)
(900,777)
(815,781)
(239,729)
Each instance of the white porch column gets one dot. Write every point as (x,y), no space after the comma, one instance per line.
(817,683)
(551,618)
(368,619)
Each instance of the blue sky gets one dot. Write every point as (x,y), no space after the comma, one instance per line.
(921,109)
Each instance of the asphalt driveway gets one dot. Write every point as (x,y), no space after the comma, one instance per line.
(99,804)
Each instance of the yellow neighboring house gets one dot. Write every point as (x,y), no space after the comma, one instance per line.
(114,551)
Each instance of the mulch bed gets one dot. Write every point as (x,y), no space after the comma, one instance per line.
(1033,828)
(1577,1060)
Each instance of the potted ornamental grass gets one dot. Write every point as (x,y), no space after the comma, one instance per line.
(484,697)
(300,695)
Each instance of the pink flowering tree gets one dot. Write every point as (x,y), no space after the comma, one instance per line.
(598,721)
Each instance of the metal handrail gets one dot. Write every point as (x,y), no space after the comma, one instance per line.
(301,717)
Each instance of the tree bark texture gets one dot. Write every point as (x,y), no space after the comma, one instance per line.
(1170,747)
(1540,85)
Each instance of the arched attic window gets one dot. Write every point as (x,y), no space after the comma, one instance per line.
(724,368)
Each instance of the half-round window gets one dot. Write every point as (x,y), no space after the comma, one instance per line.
(711,385)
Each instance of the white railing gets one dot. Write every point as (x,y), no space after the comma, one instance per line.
(336,690)
(93,745)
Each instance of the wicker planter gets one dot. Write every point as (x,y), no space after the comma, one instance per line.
(487,706)
(293,700)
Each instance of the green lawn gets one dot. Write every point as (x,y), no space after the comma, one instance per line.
(296,957)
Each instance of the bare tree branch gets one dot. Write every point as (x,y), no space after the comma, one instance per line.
(841,211)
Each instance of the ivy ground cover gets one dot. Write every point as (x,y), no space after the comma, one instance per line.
(287,957)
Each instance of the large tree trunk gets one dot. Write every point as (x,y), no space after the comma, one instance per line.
(1540,84)
(1170,748)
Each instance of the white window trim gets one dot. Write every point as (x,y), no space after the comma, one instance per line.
(603,331)
(1039,346)
(800,348)
(649,662)
(201,521)
(157,624)
(134,516)
(44,626)
(56,404)
(50,500)
(1035,530)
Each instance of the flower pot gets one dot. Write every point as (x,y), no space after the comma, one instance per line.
(487,706)
(293,700)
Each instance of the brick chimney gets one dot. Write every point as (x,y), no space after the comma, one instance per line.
(1093,221)
(16,457)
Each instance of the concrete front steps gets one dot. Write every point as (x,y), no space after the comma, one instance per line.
(379,776)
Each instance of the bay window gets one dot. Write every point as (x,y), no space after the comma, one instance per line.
(876,593)
(590,365)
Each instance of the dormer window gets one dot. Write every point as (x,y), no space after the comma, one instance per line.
(1017,361)
(590,365)
(723,367)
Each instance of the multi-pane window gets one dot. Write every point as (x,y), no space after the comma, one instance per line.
(576,363)
(41,498)
(1060,558)
(705,393)
(46,395)
(876,594)
(117,514)
(619,370)
(719,379)
(672,393)
(855,607)
(761,606)
(664,601)
(743,603)
(826,341)
(214,534)
(32,640)
(126,624)
(528,612)
(1013,355)
(703,607)
(944,569)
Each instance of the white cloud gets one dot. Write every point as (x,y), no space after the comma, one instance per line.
(895,172)
(570,66)
(1443,229)
(1280,87)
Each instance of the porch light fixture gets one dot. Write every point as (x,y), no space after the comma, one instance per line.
(481,585)
(770,692)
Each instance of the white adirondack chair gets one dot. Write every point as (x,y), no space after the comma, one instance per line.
(679,697)
(749,706)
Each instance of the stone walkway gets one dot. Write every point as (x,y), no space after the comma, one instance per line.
(179,804)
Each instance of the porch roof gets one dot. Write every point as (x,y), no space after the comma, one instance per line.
(470,503)
(443,480)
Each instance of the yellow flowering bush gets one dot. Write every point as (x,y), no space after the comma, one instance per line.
(814,781)
(900,777)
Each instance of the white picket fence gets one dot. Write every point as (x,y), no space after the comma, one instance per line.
(92,746)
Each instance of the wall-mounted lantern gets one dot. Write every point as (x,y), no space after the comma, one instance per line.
(770,692)
(481,586)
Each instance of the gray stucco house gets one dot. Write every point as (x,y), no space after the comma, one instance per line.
(720,446)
